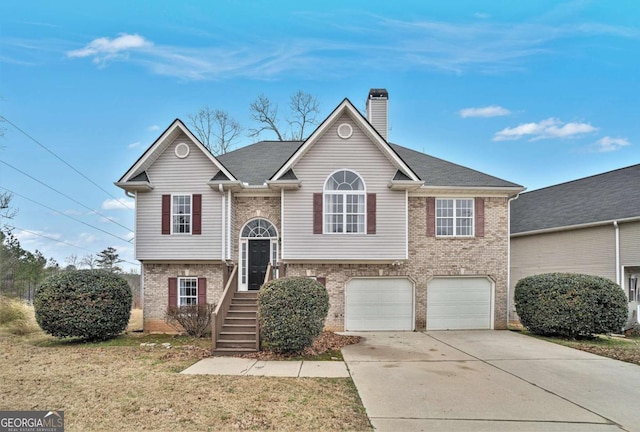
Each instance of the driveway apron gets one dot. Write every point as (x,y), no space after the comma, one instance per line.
(489,380)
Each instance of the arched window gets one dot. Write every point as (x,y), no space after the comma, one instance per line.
(259,228)
(344,203)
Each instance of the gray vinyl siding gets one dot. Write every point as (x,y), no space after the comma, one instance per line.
(589,250)
(326,156)
(630,244)
(378,117)
(171,175)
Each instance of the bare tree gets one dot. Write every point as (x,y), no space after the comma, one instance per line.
(5,201)
(215,129)
(304,109)
(72,262)
(266,114)
(89,261)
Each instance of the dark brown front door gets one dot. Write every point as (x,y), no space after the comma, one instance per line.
(258,261)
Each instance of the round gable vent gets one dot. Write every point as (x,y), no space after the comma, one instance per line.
(182,150)
(345,131)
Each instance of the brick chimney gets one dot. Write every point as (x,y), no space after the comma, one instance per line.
(377,111)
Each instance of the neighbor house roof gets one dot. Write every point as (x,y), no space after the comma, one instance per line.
(614,195)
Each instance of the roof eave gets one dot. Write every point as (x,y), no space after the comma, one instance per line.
(575,227)
(232,185)
(425,190)
(284,184)
(408,185)
(135,186)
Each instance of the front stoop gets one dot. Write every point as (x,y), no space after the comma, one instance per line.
(238,335)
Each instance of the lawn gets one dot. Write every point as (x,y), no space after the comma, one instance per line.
(120,385)
(624,349)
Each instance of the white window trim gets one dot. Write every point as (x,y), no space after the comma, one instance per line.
(180,297)
(344,194)
(190,214)
(473,218)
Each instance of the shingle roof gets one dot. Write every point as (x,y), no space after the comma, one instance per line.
(438,172)
(604,197)
(256,163)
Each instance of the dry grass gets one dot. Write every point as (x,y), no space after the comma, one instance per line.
(102,387)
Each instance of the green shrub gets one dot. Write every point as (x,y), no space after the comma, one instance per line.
(195,320)
(571,305)
(91,304)
(292,312)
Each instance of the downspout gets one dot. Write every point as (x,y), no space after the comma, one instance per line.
(222,254)
(512,198)
(229,202)
(617,228)
(281,227)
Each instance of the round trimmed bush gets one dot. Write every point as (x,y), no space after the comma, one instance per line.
(292,312)
(91,304)
(569,304)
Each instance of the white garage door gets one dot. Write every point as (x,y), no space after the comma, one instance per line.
(379,304)
(459,303)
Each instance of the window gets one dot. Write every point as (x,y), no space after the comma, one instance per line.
(181,214)
(454,217)
(344,203)
(187,291)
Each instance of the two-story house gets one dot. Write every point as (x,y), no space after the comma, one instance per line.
(401,240)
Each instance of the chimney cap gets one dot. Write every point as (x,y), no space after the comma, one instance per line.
(378,93)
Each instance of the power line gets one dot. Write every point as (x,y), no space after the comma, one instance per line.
(66,215)
(65,195)
(63,161)
(57,240)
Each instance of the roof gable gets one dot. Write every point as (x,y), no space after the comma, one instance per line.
(614,195)
(160,145)
(346,107)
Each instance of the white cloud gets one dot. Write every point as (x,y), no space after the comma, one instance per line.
(153,128)
(481,15)
(104,49)
(481,46)
(545,129)
(134,145)
(488,111)
(118,204)
(609,144)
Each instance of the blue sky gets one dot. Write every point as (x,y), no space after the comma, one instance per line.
(533,92)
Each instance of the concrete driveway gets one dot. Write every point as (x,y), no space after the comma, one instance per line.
(490,381)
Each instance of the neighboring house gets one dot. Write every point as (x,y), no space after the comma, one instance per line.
(401,240)
(590,225)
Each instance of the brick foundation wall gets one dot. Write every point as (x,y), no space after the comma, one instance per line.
(156,289)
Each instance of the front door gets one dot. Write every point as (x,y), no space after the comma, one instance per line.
(258,261)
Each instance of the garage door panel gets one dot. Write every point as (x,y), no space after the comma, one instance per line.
(459,303)
(379,304)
